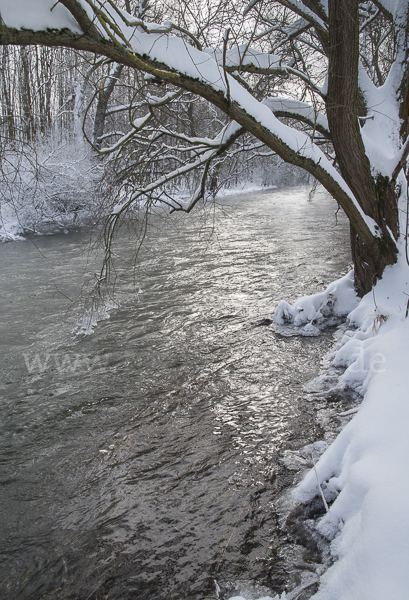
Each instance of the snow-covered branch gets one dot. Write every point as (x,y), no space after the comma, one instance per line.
(287,107)
(245,59)
(238,79)
(174,61)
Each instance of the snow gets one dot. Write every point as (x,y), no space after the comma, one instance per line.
(199,65)
(46,188)
(26,14)
(367,522)
(243,56)
(297,107)
(263,598)
(10,228)
(390,5)
(366,465)
(196,64)
(248,187)
(311,313)
(379,132)
(294,28)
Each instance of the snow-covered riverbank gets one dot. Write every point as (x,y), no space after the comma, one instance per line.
(367,463)
(15,222)
(363,473)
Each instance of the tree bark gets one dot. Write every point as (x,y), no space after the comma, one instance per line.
(106,88)
(7,95)
(377,198)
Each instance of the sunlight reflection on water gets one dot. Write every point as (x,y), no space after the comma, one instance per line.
(190,401)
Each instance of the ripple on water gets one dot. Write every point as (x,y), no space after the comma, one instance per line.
(191,403)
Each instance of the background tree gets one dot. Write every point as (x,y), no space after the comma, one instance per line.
(322,84)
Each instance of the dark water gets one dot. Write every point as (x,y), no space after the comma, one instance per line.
(196,400)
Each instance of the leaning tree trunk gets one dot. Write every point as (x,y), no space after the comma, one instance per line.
(377,198)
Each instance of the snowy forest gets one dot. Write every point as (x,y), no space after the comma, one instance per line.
(111,110)
(69,141)
(300,57)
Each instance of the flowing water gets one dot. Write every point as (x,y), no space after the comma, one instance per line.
(141,462)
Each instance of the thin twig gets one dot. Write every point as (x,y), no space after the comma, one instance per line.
(319,485)
(305,588)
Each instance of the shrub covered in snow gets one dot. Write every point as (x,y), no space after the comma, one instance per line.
(45,187)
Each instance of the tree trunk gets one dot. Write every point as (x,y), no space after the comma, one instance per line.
(25,87)
(377,198)
(105,91)
(8,109)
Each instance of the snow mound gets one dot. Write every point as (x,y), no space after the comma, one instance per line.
(310,314)
(364,471)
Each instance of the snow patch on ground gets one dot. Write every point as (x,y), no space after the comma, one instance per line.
(363,473)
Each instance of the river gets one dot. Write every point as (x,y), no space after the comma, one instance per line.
(143,461)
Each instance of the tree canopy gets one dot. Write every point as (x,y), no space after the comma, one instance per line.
(322,83)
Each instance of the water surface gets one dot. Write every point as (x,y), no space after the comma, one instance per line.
(190,398)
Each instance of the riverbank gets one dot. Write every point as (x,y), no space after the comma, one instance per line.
(16,223)
(362,475)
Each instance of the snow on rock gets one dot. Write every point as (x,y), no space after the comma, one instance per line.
(367,464)
(310,314)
